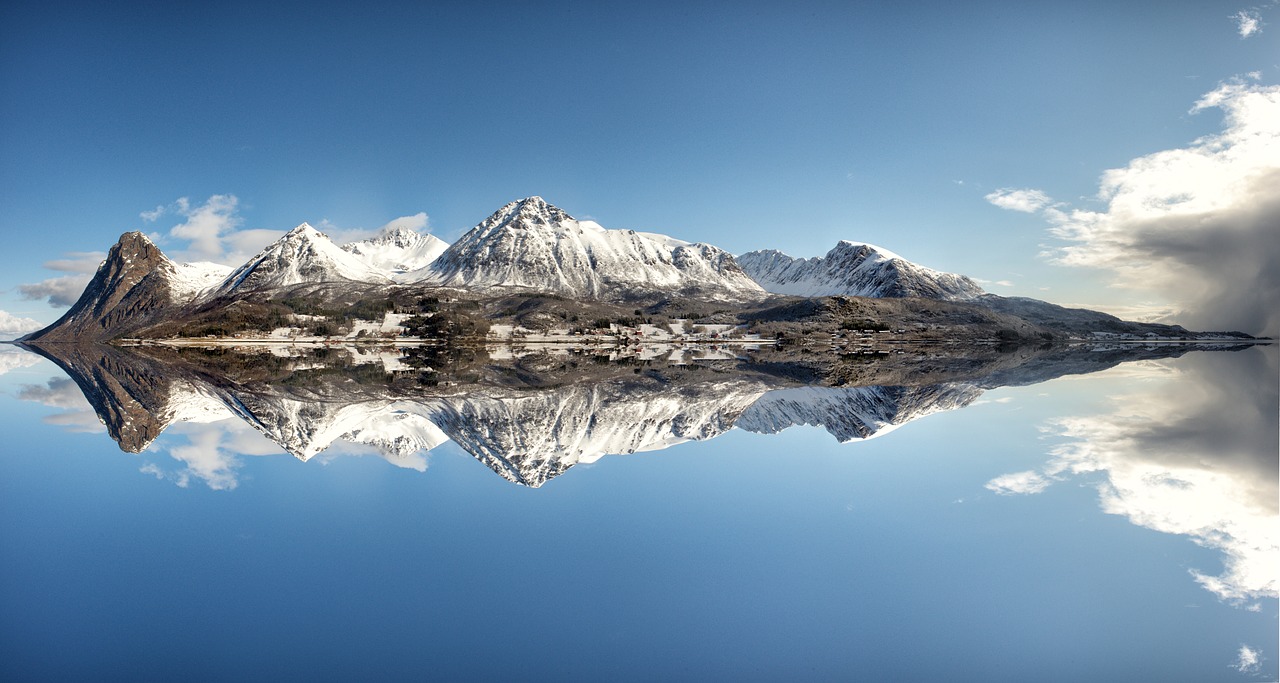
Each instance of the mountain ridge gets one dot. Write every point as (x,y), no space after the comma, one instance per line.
(530,248)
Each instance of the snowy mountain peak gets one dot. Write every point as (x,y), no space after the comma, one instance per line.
(303,255)
(854,269)
(524,213)
(398,252)
(531,245)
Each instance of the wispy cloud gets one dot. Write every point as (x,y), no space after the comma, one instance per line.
(63,290)
(60,292)
(1248,660)
(1195,226)
(1024,200)
(1248,22)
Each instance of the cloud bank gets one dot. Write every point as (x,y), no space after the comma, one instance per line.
(1198,226)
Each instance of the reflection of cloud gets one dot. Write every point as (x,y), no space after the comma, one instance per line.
(1019,483)
(1194,225)
(60,392)
(414,460)
(1247,660)
(13,358)
(1193,454)
(212,453)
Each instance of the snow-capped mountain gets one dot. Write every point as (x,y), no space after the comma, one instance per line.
(853,412)
(304,255)
(532,245)
(854,269)
(191,281)
(398,251)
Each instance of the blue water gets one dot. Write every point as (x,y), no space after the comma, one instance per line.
(743,557)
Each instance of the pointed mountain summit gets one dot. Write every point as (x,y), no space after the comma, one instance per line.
(532,245)
(304,255)
(397,251)
(854,269)
(131,289)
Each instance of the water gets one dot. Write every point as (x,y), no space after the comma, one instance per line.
(1117,525)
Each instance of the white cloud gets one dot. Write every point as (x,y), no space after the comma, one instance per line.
(1019,483)
(1194,227)
(206,225)
(1248,660)
(1248,22)
(12,326)
(417,223)
(1025,200)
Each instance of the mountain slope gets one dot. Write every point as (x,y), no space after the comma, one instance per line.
(532,245)
(854,269)
(302,256)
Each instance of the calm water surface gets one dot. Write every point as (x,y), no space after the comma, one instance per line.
(1114,526)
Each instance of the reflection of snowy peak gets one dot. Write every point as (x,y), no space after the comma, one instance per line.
(531,244)
(399,431)
(398,251)
(854,269)
(528,438)
(303,256)
(853,413)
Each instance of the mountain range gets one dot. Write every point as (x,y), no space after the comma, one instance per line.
(526,248)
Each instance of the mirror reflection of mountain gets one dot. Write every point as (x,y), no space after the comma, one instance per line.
(531,415)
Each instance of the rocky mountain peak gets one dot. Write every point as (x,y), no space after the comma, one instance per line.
(525,213)
(131,285)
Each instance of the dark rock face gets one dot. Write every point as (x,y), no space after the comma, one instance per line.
(131,289)
(129,393)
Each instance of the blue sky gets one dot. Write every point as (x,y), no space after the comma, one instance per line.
(746,125)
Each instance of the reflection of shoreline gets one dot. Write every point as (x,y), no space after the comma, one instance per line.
(530,413)
(1195,454)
